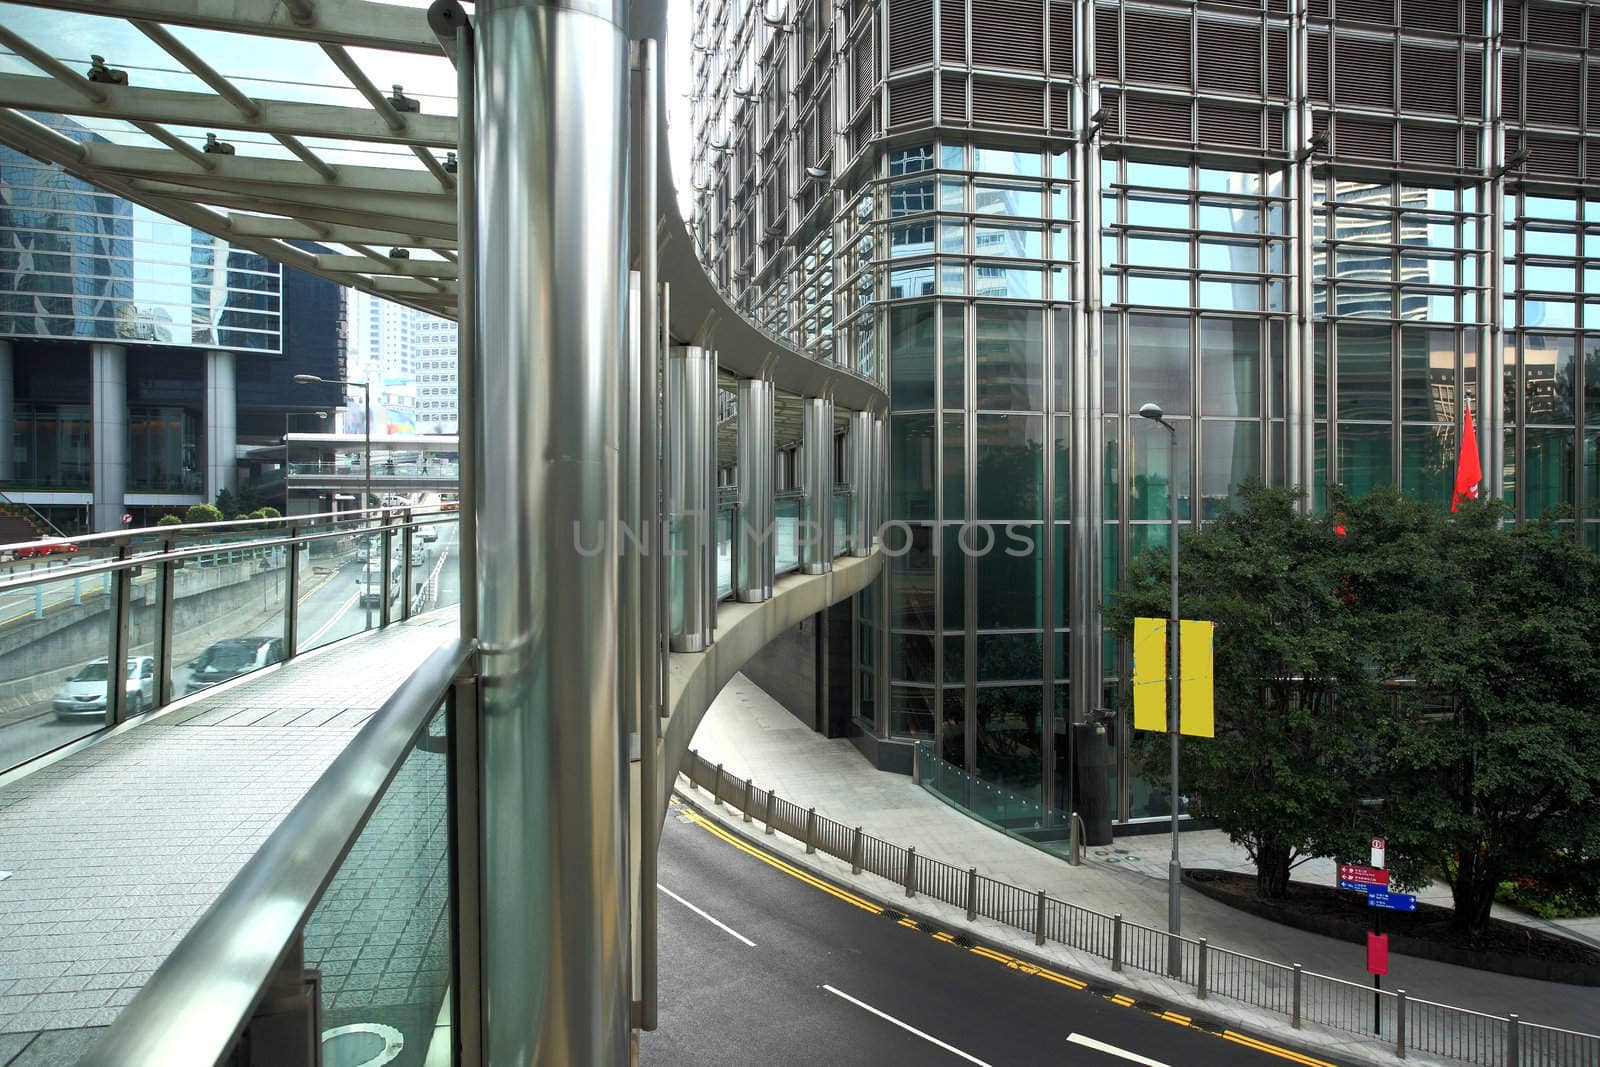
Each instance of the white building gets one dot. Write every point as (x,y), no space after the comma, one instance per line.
(392,343)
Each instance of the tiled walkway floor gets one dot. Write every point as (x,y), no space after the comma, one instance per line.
(116,850)
(754,737)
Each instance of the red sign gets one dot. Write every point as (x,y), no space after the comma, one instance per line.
(1377,953)
(1350,872)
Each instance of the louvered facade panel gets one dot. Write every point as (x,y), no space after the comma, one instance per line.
(1555,101)
(952,31)
(1107,44)
(1277,133)
(953,98)
(1442,16)
(1317,68)
(1228,124)
(1472,84)
(1061,39)
(910,33)
(1511,20)
(1431,146)
(1511,85)
(1008,33)
(1593,118)
(1591,160)
(1229,57)
(862,133)
(1160,51)
(1060,107)
(1158,118)
(863,66)
(1473,10)
(1111,118)
(1363,72)
(1555,157)
(1561,26)
(1372,12)
(1471,148)
(825,122)
(1428,79)
(1363,139)
(911,102)
(1320,9)
(1277,61)
(1007,103)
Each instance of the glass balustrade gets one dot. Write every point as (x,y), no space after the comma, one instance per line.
(787,511)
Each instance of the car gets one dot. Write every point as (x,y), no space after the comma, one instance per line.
(46,548)
(231,657)
(419,554)
(84,694)
(430,533)
(372,585)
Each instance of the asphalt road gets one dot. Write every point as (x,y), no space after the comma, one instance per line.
(761,963)
(329,610)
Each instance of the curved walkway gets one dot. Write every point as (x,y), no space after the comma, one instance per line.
(754,737)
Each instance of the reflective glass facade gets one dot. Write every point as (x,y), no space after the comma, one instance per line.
(78,262)
(1313,231)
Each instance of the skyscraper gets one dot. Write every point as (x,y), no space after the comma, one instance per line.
(1308,229)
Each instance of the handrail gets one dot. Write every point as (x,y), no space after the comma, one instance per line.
(197,1003)
(119,537)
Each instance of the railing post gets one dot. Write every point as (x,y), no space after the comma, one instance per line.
(972,894)
(164,693)
(1200,969)
(1400,1023)
(407,534)
(120,589)
(916,764)
(772,803)
(291,597)
(911,871)
(716,787)
(1116,941)
(1038,920)
(749,786)
(856,849)
(1294,998)
(1513,1040)
(1074,841)
(811,831)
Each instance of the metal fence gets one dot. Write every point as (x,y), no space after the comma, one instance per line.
(1388,1018)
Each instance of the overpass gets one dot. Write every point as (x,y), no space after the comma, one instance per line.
(651,487)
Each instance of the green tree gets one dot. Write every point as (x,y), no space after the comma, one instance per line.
(1493,750)
(1296,702)
(202,513)
(240,501)
(169,520)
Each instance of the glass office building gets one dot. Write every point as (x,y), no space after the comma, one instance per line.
(1311,230)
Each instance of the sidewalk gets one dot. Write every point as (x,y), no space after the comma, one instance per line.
(754,737)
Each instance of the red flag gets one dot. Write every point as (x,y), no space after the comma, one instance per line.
(1469,473)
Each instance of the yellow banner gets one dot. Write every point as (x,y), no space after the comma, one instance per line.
(1196,693)
(1150,674)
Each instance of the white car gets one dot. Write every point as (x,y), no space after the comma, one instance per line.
(430,533)
(419,554)
(84,694)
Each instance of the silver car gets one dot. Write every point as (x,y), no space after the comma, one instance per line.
(84,694)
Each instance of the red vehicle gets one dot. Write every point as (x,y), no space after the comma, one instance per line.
(47,548)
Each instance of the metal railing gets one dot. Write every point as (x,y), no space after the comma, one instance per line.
(189,606)
(1402,1023)
(261,977)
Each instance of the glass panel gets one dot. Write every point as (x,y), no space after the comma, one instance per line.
(1016,242)
(1170,252)
(1365,457)
(1551,383)
(786,543)
(1151,449)
(911,367)
(58,687)
(1366,376)
(1063,468)
(911,657)
(1009,739)
(1427,462)
(1006,161)
(1229,296)
(1009,571)
(1230,367)
(1230,215)
(1009,367)
(912,577)
(1549,472)
(955,659)
(953,578)
(380,935)
(1010,657)
(953,356)
(1158,290)
(996,198)
(1230,452)
(955,467)
(1165,211)
(1010,466)
(1158,362)
(724,551)
(912,475)
(909,239)
(953,730)
(1427,375)
(911,711)
(1018,283)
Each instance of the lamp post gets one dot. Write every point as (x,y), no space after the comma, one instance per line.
(1154,413)
(366,424)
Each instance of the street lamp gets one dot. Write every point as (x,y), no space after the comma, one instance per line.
(1154,413)
(322,416)
(366,421)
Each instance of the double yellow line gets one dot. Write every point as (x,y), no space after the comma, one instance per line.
(1013,962)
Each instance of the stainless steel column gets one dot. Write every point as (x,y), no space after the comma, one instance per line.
(691,505)
(880,467)
(552,97)
(222,424)
(862,476)
(816,543)
(108,445)
(1491,410)
(8,411)
(753,583)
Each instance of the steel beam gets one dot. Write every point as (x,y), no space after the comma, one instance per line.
(332,232)
(355,23)
(387,265)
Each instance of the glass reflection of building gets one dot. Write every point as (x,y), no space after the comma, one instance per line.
(95,287)
(1027,232)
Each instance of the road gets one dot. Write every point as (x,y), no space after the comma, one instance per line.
(763,963)
(329,610)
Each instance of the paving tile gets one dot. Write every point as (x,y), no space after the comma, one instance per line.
(53,1048)
(10,1045)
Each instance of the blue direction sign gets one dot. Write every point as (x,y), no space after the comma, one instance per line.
(1381,898)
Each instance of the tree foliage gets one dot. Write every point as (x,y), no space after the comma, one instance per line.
(202,513)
